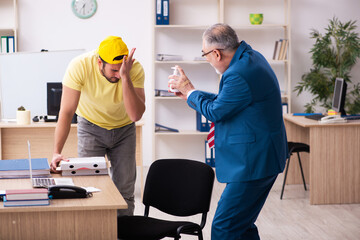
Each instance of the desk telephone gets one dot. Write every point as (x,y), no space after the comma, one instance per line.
(66,191)
(333,119)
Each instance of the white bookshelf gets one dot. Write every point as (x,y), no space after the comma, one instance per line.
(183,36)
(182,133)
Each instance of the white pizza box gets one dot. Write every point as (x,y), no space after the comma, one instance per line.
(84,163)
(84,172)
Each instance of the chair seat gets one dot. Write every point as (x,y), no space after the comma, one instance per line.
(298,147)
(141,227)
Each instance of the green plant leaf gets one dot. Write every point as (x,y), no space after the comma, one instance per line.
(334,53)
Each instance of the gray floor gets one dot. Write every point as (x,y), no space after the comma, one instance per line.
(291,218)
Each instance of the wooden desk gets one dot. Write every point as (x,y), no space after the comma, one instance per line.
(333,169)
(13,138)
(90,218)
(13,144)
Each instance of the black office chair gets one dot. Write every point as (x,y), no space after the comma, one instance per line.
(295,147)
(177,187)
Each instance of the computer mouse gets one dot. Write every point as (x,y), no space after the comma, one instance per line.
(35,119)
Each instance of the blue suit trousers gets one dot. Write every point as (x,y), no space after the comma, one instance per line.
(238,209)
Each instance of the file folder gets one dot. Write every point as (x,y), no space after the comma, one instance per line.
(4,44)
(159,12)
(168,57)
(164,93)
(19,168)
(162,128)
(285,108)
(166,12)
(202,124)
(209,155)
(11,44)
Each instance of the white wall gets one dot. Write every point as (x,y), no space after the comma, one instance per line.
(308,15)
(52,25)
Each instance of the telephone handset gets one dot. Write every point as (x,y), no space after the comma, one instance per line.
(333,119)
(66,191)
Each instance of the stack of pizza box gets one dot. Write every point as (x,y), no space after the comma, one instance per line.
(85,166)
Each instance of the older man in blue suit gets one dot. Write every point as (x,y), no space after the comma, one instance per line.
(250,138)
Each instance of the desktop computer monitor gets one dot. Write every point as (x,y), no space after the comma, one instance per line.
(339,97)
(54,92)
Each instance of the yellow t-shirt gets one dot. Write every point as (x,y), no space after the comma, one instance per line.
(101,102)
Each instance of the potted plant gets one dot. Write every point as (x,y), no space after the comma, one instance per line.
(22,116)
(334,54)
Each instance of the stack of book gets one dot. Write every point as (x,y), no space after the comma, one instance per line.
(26,197)
(280,49)
(84,166)
(19,168)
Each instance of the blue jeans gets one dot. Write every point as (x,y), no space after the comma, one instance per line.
(119,146)
(238,209)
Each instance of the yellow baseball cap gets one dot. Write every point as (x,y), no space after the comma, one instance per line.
(112,47)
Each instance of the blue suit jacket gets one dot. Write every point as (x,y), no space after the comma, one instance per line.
(250,137)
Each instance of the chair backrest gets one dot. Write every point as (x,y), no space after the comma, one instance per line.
(179,187)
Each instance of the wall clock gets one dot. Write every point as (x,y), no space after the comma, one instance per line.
(84,8)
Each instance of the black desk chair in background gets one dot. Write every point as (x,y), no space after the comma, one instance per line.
(177,187)
(295,147)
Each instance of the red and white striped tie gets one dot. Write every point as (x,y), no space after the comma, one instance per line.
(211,136)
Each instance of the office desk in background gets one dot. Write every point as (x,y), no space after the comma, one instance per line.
(41,135)
(13,143)
(84,218)
(333,169)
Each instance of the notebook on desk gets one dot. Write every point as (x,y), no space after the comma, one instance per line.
(316,117)
(46,182)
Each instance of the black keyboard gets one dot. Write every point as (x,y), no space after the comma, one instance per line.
(316,117)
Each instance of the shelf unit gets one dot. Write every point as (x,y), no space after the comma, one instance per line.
(9,19)
(183,36)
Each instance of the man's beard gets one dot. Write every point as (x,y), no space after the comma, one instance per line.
(111,80)
(217,71)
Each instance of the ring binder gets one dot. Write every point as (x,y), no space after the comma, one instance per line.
(209,155)
(159,128)
(159,12)
(202,124)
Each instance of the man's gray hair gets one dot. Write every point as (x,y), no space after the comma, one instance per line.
(221,36)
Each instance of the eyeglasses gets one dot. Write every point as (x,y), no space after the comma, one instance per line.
(204,54)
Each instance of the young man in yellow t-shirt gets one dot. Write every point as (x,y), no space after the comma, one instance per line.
(105,88)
